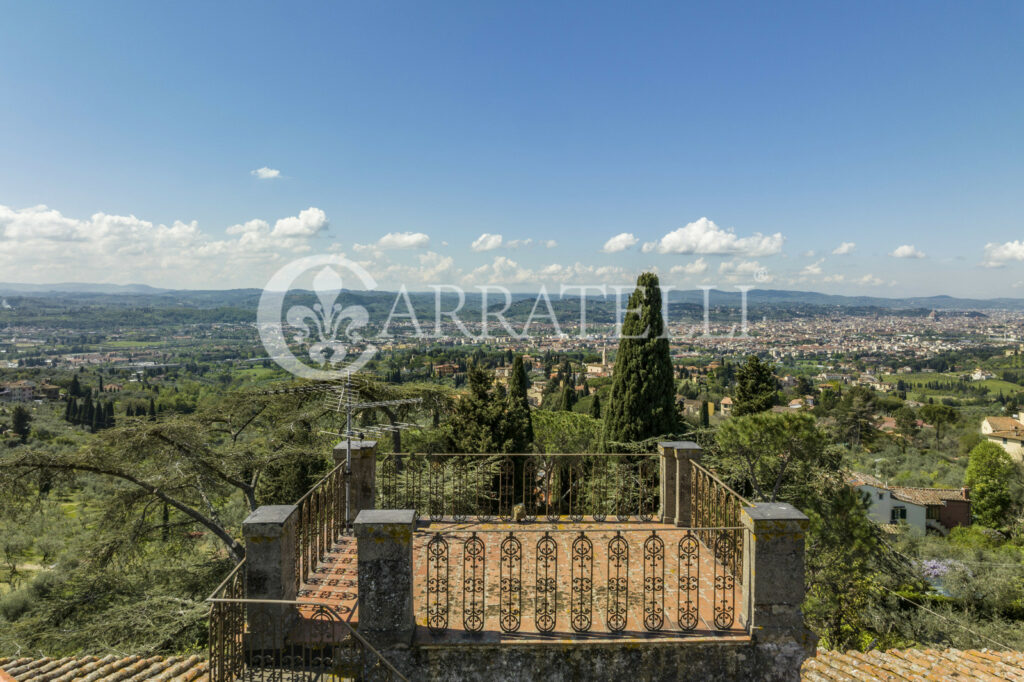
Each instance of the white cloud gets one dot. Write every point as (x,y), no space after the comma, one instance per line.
(697,267)
(505,271)
(813,268)
(736,271)
(871,280)
(620,242)
(550,244)
(266,173)
(834,278)
(906,251)
(518,243)
(997,255)
(808,254)
(486,242)
(705,237)
(844,249)
(306,224)
(403,240)
(34,245)
(649,246)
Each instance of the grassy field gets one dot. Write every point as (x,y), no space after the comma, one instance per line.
(917,380)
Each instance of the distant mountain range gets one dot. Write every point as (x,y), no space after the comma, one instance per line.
(142,294)
(78,288)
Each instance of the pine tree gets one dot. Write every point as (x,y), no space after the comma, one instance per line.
(643,392)
(755,388)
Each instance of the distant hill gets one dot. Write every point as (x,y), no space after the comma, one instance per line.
(78,288)
(599,311)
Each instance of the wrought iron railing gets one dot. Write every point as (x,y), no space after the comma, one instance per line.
(713,504)
(522,488)
(320,522)
(650,580)
(266,639)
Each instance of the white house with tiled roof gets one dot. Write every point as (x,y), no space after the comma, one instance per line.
(924,509)
(1007,433)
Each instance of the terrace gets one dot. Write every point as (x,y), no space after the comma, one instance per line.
(474,566)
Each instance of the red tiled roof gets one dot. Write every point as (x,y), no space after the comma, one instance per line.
(914,664)
(929,496)
(94,669)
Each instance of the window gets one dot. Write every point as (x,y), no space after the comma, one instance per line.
(933,511)
(881,496)
(898,514)
(1004,441)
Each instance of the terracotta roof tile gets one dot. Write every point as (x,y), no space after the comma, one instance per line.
(106,669)
(914,664)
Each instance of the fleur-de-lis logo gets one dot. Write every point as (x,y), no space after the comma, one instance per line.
(327,317)
(326,331)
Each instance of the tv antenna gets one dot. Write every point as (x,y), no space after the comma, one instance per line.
(345,398)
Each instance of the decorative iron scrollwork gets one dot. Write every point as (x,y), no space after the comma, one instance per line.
(618,583)
(545,608)
(688,596)
(725,584)
(582,604)
(437,584)
(473,580)
(654,582)
(511,582)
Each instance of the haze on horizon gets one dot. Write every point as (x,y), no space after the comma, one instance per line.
(865,149)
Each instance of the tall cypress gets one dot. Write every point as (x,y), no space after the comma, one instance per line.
(519,421)
(595,407)
(642,403)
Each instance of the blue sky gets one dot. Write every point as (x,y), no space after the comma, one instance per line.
(790,128)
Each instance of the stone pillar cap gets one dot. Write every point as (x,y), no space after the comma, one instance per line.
(356,445)
(269,513)
(386,517)
(680,445)
(774,511)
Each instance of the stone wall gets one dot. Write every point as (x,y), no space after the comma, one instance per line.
(629,660)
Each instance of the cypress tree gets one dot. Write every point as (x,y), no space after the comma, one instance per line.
(595,407)
(519,420)
(152,410)
(76,388)
(568,398)
(69,414)
(642,401)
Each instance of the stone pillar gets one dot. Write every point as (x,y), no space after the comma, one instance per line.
(384,539)
(685,452)
(270,537)
(362,479)
(668,482)
(773,586)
